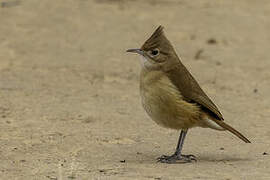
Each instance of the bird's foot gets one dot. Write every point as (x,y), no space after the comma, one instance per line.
(180,158)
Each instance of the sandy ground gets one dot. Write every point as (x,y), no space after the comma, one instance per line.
(69,97)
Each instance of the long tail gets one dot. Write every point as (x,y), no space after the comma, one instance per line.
(232,130)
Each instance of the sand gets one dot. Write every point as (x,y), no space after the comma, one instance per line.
(69,94)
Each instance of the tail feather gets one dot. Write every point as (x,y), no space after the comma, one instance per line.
(232,130)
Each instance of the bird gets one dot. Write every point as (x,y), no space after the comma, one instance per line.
(172,97)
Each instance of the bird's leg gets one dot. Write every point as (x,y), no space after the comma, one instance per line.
(178,157)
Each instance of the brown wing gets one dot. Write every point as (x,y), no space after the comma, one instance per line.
(191,90)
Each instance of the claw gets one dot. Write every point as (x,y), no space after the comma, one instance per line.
(162,157)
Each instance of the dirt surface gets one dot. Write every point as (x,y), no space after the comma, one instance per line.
(69,97)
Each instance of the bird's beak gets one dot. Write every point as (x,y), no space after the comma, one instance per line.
(139,51)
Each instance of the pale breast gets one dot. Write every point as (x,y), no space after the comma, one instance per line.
(164,104)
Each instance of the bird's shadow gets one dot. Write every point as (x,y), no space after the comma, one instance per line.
(227,158)
(200,158)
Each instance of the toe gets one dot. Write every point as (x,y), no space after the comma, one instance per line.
(167,159)
(190,157)
(162,157)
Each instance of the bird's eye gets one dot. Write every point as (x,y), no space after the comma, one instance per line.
(154,52)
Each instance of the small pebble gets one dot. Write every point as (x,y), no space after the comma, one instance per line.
(212,41)
(71,177)
(255,90)
(198,54)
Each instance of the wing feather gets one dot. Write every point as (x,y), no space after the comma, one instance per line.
(191,90)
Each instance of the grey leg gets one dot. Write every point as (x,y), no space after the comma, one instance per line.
(180,143)
(178,157)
